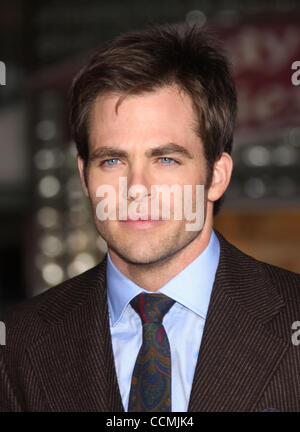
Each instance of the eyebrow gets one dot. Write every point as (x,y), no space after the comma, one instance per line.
(113,152)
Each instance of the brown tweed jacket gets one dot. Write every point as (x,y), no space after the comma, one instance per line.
(58,354)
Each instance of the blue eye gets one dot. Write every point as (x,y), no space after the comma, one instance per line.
(110,162)
(167,160)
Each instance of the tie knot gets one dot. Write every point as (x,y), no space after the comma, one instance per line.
(151,307)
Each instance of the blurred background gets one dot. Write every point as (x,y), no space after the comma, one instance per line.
(46,230)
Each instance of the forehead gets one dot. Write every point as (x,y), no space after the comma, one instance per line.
(166,113)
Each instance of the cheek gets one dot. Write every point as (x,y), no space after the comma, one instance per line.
(193,178)
(96,179)
(188,175)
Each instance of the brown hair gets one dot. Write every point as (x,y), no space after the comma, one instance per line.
(142,61)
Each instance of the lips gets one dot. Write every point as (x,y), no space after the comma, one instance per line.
(142,218)
(145,217)
(142,224)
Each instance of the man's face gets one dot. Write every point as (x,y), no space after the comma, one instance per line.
(151,140)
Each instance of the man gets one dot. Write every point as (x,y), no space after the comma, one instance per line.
(156,107)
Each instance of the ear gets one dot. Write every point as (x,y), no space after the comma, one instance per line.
(81,168)
(221,177)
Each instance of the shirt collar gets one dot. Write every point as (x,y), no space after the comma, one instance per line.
(197,279)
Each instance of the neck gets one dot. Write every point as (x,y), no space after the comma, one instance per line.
(152,277)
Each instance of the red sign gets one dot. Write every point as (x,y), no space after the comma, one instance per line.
(266,67)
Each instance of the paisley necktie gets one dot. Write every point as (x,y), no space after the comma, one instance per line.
(151,378)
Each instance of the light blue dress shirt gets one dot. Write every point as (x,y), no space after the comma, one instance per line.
(184,323)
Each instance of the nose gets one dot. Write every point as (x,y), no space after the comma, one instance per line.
(138,182)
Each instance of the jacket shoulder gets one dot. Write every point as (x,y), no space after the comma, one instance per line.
(29,319)
(288,282)
(247,270)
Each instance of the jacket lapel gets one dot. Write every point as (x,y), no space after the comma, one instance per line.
(74,360)
(238,355)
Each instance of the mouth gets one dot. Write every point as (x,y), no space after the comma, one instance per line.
(142,223)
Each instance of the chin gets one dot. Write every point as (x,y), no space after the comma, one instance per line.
(145,254)
(137,257)
(143,247)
